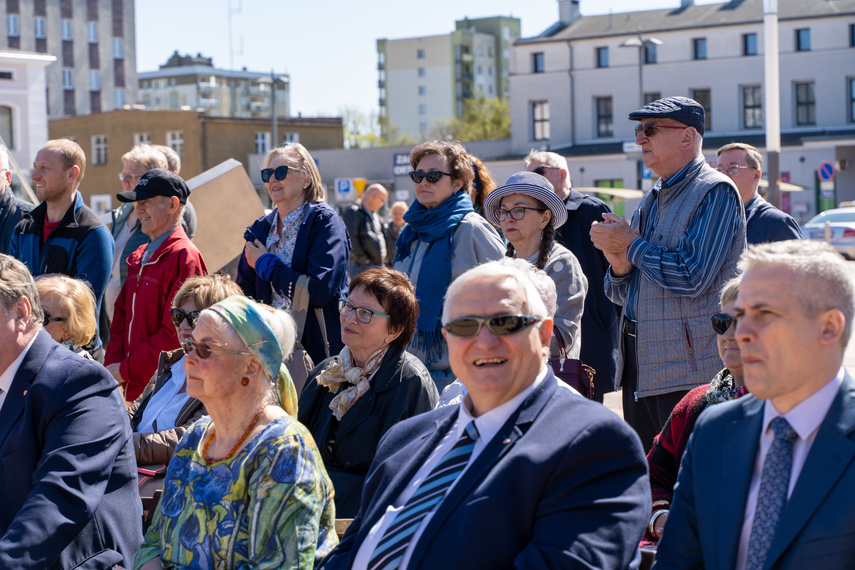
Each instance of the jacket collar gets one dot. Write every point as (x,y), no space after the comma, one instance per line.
(16,399)
(167,246)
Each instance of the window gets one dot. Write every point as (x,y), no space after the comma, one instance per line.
(490,70)
(118,48)
(67,78)
(39,25)
(6,75)
(262,142)
(651,96)
(704,97)
(537,62)
(602,57)
(540,120)
(12,26)
(291,138)
(604,117)
(421,72)
(851,98)
(851,35)
(65,30)
(422,109)
(480,70)
(420,54)
(422,90)
(490,50)
(6,126)
(803,39)
(101,203)
(92,32)
(175,141)
(99,149)
(118,98)
(752,107)
(805,103)
(94,80)
(649,54)
(749,44)
(479,52)
(142,138)
(699,48)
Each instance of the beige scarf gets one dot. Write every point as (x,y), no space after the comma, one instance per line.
(341,371)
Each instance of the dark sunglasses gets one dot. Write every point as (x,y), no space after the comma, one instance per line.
(500,325)
(649,128)
(204,350)
(433,176)
(280,172)
(542,169)
(49,319)
(721,322)
(178,317)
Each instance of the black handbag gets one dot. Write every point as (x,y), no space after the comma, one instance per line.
(572,371)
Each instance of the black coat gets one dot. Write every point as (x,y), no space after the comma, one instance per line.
(401,388)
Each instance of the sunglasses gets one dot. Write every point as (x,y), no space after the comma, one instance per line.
(363,315)
(721,322)
(516,214)
(500,325)
(649,128)
(178,317)
(433,176)
(542,169)
(280,172)
(204,350)
(49,319)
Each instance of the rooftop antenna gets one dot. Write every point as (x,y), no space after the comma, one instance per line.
(231,49)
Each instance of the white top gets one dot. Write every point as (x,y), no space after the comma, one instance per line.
(164,406)
(9,374)
(805,418)
(488,425)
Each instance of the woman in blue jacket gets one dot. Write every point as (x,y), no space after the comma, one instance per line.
(302,235)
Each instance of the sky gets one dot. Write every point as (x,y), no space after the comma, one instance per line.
(327,47)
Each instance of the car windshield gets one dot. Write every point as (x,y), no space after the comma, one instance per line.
(833,217)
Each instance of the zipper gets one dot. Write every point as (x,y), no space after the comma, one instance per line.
(689,343)
(134,302)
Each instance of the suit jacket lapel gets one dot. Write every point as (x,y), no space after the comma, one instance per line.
(831,453)
(13,406)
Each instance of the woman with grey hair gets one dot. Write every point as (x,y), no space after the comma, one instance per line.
(246,487)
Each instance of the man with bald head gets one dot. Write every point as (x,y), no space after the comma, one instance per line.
(368,243)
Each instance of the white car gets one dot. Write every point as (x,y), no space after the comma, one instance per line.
(841,230)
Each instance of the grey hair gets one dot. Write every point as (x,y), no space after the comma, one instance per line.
(173,161)
(146,156)
(4,158)
(828,284)
(544,284)
(533,301)
(16,282)
(547,158)
(730,290)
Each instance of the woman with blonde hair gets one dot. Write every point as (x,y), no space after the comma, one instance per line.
(69,307)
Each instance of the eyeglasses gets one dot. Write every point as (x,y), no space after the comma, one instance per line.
(204,350)
(128,177)
(649,128)
(433,176)
(363,315)
(721,322)
(516,214)
(49,319)
(178,317)
(730,170)
(280,172)
(499,325)
(542,169)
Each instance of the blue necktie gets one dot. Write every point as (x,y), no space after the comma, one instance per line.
(772,497)
(391,548)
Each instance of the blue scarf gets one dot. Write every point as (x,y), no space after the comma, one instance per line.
(436,228)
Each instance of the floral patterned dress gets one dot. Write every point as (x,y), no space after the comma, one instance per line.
(269,506)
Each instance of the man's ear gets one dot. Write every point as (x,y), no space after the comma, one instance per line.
(546,332)
(23,310)
(833,324)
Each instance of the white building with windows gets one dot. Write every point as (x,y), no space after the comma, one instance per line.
(573,86)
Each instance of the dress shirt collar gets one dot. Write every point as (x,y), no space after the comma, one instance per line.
(806,416)
(489,423)
(9,374)
(677,176)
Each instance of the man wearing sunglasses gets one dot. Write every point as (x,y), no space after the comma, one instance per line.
(142,325)
(522,471)
(601,318)
(367,241)
(669,264)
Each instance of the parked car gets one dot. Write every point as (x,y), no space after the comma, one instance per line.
(841,226)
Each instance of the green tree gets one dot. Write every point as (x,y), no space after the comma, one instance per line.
(367,130)
(483,119)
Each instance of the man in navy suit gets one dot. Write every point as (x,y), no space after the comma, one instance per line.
(68,479)
(767,480)
(553,480)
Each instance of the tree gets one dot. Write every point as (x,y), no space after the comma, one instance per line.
(366,130)
(483,119)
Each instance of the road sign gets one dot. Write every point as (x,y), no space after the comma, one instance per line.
(345,189)
(629,147)
(401,164)
(826,171)
(359,184)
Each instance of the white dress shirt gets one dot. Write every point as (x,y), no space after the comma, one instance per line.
(488,424)
(9,374)
(805,418)
(163,407)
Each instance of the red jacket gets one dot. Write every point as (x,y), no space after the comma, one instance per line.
(142,327)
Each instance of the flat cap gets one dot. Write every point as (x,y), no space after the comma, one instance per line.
(687,111)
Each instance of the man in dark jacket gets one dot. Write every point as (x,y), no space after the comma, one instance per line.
(12,208)
(368,243)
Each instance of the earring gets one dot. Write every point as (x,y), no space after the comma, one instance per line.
(244,381)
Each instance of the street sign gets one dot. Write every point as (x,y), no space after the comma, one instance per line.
(344,189)
(401,164)
(629,147)
(359,184)
(826,171)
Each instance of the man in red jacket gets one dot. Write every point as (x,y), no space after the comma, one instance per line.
(142,326)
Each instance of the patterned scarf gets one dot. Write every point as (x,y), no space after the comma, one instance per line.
(723,389)
(436,228)
(342,370)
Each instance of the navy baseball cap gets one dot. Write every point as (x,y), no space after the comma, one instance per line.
(687,111)
(157,182)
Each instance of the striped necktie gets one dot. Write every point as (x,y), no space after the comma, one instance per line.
(392,546)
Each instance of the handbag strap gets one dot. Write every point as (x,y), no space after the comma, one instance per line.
(300,309)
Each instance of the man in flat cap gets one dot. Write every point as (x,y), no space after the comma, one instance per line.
(669,264)
(142,325)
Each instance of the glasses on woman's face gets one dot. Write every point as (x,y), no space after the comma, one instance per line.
(280,172)
(204,350)
(49,319)
(363,315)
(178,317)
(721,322)
(499,325)
(433,176)
(129,178)
(516,214)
